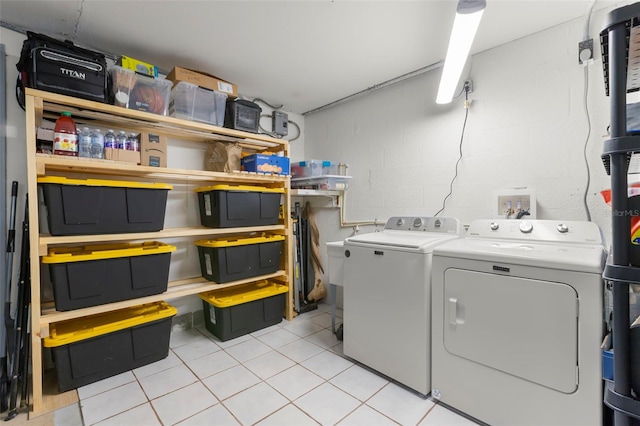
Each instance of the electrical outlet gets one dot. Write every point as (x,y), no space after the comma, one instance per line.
(510,205)
(468,85)
(585,51)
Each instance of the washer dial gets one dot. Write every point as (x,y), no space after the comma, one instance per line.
(526,227)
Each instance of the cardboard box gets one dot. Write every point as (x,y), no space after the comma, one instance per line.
(203,79)
(122,155)
(138,66)
(153,150)
(44,141)
(266,164)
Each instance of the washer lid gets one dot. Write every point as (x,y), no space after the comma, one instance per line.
(422,242)
(562,256)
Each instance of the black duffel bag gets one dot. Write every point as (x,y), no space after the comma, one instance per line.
(61,67)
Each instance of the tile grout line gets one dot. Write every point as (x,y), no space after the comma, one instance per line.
(329,349)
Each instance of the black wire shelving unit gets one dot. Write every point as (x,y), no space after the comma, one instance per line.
(620,42)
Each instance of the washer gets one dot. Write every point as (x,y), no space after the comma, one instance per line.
(387,297)
(517,322)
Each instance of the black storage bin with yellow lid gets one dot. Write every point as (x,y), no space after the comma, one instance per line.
(98,274)
(230,206)
(96,206)
(234,311)
(93,348)
(235,258)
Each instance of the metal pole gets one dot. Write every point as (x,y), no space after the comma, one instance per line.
(620,222)
(3,199)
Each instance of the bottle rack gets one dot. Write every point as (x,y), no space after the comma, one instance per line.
(620,42)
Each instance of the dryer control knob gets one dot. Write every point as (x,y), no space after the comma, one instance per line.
(494,226)
(417,223)
(562,228)
(400,222)
(526,227)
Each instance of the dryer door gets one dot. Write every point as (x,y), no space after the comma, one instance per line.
(524,327)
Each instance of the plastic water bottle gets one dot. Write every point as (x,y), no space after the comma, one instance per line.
(97,144)
(121,140)
(132,142)
(85,143)
(110,140)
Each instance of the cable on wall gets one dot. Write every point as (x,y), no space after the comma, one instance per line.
(585,36)
(464,126)
(586,143)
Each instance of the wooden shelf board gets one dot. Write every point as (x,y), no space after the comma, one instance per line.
(110,113)
(47,163)
(175,290)
(48,240)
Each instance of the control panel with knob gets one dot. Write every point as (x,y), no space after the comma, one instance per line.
(526,227)
(424,224)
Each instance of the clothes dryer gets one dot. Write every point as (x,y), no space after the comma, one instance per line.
(518,322)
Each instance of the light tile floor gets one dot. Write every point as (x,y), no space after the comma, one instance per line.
(292,373)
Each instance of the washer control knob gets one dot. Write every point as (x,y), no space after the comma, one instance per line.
(494,226)
(400,221)
(563,229)
(526,227)
(417,223)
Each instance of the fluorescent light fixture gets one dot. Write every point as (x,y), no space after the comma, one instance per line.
(465,25)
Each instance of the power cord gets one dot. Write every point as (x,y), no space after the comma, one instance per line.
(586,143)
(464,125)
(586,110)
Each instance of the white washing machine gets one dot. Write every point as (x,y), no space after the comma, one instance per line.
(387,297)
(517,322)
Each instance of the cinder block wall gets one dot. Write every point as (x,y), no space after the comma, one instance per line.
(526,127)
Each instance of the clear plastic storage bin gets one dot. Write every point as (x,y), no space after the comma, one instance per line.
(136,91)
(192,102)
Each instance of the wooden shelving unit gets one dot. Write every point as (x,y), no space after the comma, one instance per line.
(41,105)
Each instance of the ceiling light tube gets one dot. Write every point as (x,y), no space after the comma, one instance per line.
(465,26)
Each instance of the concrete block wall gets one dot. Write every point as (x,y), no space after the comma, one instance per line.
(526,127)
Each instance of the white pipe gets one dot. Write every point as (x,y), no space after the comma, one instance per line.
(378,86)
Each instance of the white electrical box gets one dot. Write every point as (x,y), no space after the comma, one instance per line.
(514,203)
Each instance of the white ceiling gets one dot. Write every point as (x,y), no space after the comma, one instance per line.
(303,54)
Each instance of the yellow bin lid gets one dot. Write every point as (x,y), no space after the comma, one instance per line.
(232,296)
(105,251)
(75,330)
(59,180)
(238,241)
(238,188)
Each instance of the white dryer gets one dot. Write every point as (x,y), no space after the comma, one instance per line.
(517,322)
(387,297)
